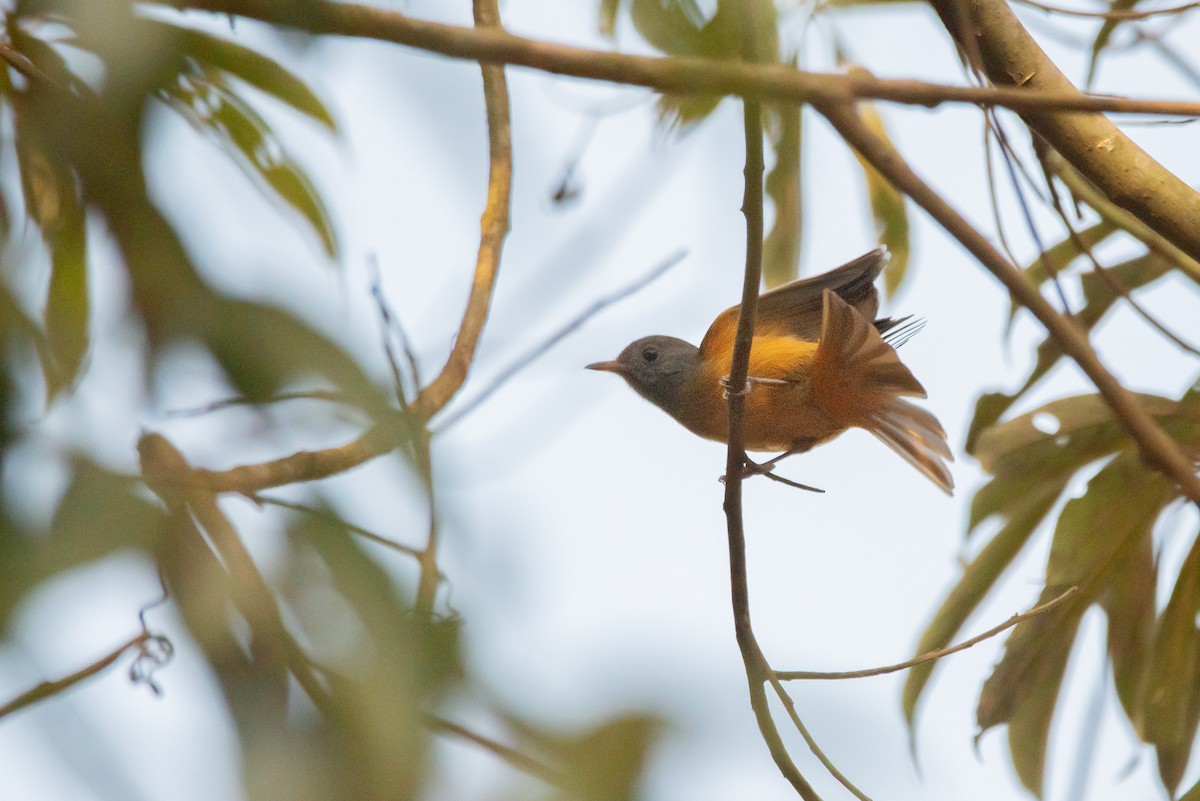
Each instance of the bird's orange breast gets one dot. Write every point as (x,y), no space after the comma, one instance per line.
(778,417)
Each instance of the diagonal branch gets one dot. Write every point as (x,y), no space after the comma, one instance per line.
(686,76)
(1000,46)
(1157,447)
(48,689)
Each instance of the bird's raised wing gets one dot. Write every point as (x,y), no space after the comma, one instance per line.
(795,309)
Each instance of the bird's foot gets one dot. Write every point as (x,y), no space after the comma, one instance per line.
(753,468)
(751,380)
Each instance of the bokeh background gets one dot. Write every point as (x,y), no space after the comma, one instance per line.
(584,541)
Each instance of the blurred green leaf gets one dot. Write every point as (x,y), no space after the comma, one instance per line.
(256,69)
(608,17)
(1104,36)
(1096,535)
(99,514)
(781,248)
(1172,699)
(1099,298)
(1059,257)
(209,105)
(888,206)
(68,303)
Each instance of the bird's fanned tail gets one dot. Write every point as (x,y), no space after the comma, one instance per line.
(859,379)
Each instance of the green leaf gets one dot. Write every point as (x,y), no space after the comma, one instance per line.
(1129,605)
(100,514)
(1096,536)
(15,322)
(255,69)
(977,580)
(246,136)
(888,206)
(608,17)
(781,248)
(1172,699)
(1099,298)
(68,302)
(1104,36)
(1058,258)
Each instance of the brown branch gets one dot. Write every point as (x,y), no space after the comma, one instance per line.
(752,207)
(1156,446)
(687,76)
(930,656)
(1112,14)
(494,228)
(1001,47)
(518,760)
(48,689)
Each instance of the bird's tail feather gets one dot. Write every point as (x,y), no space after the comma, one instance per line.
(917,436)
(859,379)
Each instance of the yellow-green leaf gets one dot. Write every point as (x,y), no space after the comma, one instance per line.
(1172,698)
(781,248)
(888,207)
(1129,605)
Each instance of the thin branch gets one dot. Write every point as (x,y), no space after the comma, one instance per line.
(48,689)
(518,760)
(1119,15)
(266,500)
(684,76)
(752,207)
(329,396)
(1157,447)
(794,675)
(494,228)
(790,706)
(523,361)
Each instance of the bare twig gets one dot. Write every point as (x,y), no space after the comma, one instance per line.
(793,675)
(494,228)
(523,361)
(266,500)
(523,762)
(1156,446)
(329,396)
(686,76)
(1112,14)
(48,689)
(752,207)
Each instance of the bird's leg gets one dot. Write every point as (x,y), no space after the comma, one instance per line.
(753,468)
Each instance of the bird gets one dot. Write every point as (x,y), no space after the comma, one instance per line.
(820,364)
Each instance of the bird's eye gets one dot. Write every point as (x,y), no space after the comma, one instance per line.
(650,354)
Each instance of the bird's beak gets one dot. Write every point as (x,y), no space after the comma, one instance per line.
(608,367)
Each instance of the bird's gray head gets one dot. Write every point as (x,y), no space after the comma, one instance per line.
(658,368)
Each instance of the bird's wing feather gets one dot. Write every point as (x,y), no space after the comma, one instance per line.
(795,309)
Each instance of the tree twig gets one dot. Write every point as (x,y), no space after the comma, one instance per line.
(686,76)
(1118,14)
(519,760)
(794,675)
(523,361)
(48,689)
(1156,446)
(752,207)
(493,229)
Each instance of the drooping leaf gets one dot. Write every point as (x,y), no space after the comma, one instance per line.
(888,206)
(781,248)
(1058,257)
(977,580)
(256,69)
(1096,535)
(1172,698)
(1104,36)
(608,17)
(1099,298)
(211,106)
(1128,602)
